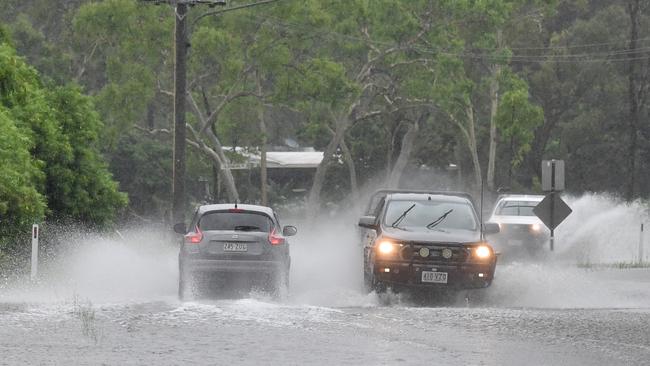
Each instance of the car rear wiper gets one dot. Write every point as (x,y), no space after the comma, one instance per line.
(246,228)
(439,219)
(402,216)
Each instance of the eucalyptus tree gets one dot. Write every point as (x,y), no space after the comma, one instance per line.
(123,60)
(236,63)
(364,69)
(484,33)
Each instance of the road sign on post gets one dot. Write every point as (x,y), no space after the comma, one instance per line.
(552,175)
(34,252)
(552,210)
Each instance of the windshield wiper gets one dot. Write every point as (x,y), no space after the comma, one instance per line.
(402,216)
(439,219)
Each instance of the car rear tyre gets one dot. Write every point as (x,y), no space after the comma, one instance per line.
(279,286)
(182,287)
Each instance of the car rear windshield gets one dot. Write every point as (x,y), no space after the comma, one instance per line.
(516,208)
(426,212)
(238,221)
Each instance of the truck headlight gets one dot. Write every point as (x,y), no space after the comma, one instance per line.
(386,247)
(483,252)
(535,227)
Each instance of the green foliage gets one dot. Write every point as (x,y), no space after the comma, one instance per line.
(82,188)
(517,117)
(126,57)
(52,134)
(316,60)
(144,166)
(21,203)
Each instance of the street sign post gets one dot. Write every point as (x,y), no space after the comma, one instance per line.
(552,175)
(552,210)
(34,271)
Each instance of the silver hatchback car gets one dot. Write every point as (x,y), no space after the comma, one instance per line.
(228,244)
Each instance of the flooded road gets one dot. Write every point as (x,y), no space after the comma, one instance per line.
(258,331)
(525,318)
(113,301)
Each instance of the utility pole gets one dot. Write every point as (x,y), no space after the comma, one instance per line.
(181,46)
(180,88)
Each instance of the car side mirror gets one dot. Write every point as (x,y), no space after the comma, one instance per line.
(289,230)
(491,228)
(180,228)
(368,222)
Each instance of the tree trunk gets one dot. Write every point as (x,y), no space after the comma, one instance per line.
(313,202)
(404,153)
(263,171)
(389,152)
(224,170)
(151,109)
(215,151)
(471,143)
(467,130)
(494,104)
(347,155)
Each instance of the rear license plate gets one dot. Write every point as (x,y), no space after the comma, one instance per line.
(235,247)
(434,277)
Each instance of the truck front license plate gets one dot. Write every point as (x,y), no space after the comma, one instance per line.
(434,277)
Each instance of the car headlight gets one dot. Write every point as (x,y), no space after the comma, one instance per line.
(483,252)
(535,227)
(387,247)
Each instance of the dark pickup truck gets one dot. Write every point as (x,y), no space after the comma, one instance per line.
(425,240)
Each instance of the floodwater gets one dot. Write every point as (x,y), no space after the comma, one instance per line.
(112,300)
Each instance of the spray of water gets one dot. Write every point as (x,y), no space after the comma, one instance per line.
(131,266)
(141,265)
(601,229)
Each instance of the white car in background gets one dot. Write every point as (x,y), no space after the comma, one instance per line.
(521,233)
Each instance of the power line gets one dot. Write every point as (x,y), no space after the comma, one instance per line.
(610,56)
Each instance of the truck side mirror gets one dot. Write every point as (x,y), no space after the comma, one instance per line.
(368,222)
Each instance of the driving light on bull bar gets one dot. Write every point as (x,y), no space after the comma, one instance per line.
(483,251)
(386,247)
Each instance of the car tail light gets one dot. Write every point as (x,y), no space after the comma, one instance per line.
(235,210)
(275,239)
(195,237)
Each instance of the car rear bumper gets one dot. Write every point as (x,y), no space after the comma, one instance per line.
(460,276)
(236,266)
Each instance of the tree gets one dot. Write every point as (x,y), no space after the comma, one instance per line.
(56,169)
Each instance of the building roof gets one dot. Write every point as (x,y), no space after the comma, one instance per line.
(279,159)
(290,159)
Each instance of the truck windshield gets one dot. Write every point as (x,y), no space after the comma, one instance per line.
(425,212)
